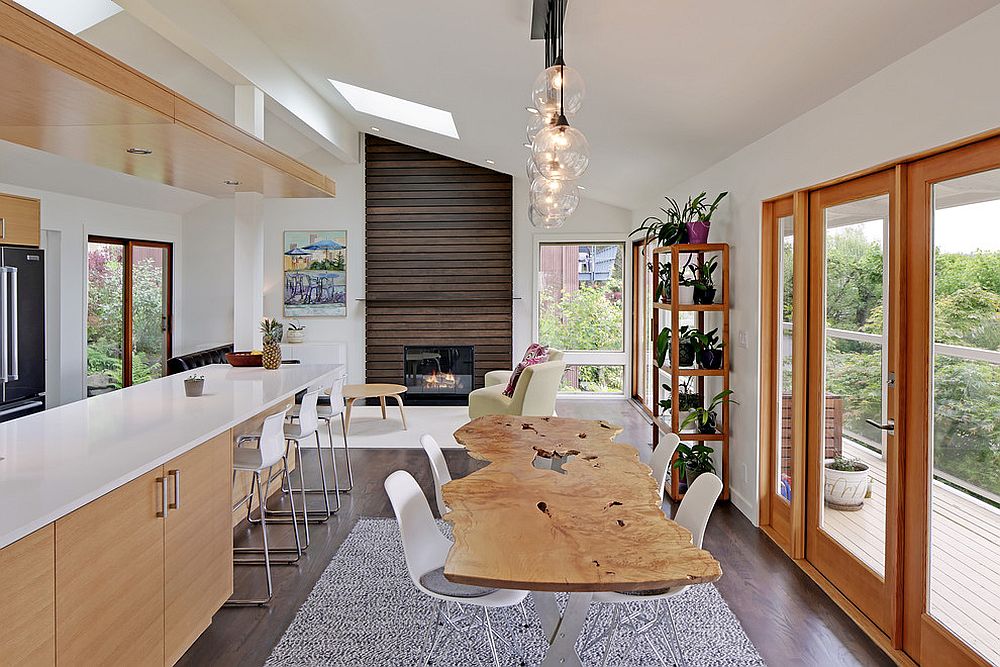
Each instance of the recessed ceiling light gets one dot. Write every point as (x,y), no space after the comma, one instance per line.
(581,187)
(526,144)
(396,109)
(231,182)
(74,16)
(488,161)
(376,129)
(139,151)
(531,109)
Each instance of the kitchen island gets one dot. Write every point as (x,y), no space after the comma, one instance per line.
(116,515)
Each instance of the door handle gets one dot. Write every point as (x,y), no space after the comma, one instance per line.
(162,481)
(176,474)
(889,427)
(13,325)
(4,325)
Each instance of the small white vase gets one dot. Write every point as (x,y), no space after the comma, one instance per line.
(685,294)
(295,336)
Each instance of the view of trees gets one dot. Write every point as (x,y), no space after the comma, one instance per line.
(105,317)
(966,313)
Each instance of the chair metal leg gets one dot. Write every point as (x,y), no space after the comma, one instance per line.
(276,550)
(435,633)
(325,488)
(258,602)
(489,637)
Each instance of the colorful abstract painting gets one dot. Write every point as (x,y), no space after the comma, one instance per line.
(315,274)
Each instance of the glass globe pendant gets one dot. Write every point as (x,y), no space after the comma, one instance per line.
(542,221)
(546,116)
(554,198)
(559,83)
(561,152)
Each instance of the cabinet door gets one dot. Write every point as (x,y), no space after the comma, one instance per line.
(27,600)
(109,574)
(198,575)
(20,221)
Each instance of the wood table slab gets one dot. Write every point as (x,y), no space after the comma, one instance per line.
(593,524)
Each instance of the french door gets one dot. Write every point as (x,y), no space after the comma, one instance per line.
(128,312)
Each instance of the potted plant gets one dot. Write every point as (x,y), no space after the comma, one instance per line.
(702,282)
(685,289)
(708,349)
(271,330)
(693,461)
(661,290)
(706,419)
(700,217)
(296,332)
(686,399)
(845,483)
(669,229)
(686,352)
(194,385)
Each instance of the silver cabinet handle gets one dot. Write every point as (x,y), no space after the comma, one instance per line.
(3,228)
(162,481)
(176,474)
(13,324)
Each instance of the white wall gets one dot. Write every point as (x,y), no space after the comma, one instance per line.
(72,220)
(207,281)
(937,94)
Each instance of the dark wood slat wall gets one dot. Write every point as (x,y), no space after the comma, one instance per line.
(438,265)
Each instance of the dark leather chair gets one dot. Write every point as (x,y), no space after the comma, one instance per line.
(189,362)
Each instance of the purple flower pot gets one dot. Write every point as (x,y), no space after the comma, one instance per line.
(697,231)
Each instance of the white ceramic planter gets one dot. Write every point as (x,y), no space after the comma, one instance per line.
(685,294)
(295,336)
(845,489)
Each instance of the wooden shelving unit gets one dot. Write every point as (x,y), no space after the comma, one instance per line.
(672,372)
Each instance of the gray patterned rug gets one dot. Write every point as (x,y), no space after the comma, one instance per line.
(365,611)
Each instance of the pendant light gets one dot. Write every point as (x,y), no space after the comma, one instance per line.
(561,152)
(542,221)
(554,198)
(559,85)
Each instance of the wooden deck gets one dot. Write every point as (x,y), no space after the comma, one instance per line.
(965,551)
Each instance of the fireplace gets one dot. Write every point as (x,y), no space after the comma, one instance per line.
(440,374)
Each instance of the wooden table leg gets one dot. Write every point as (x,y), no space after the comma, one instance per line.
(381,402)
(562,630)
(347,415)
(402,415)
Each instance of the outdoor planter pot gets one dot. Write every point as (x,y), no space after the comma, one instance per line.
(845,489)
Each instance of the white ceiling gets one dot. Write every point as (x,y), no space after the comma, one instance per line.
(673,86)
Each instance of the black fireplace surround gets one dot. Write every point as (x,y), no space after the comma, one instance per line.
(439,374)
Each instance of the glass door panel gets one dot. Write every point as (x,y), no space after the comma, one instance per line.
(149,279)
(786,280)
(105,317)
(964,456)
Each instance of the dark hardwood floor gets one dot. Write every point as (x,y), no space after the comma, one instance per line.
(789,619)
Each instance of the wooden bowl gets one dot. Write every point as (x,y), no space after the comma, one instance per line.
(245,359)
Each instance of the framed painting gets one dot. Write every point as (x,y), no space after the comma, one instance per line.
(315,270)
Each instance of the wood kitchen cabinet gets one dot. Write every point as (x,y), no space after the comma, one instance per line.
(198,542)
(27,600)
(20,221)
(109,578)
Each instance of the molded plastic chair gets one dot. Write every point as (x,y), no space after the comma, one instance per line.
(426,549)
(660,461)
(439,469)
(694,512)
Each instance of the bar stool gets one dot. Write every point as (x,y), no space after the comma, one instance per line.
(326,413)
(257,460)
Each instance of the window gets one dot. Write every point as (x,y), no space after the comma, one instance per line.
(580,295)
(128,312)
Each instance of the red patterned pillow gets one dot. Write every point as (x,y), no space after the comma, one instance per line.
(512,383)
(535,351)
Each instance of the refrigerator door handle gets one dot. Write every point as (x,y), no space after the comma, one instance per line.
(13,324)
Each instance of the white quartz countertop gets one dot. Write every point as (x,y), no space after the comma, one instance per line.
(56,461)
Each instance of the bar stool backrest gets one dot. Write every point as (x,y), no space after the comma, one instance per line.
(308,420)
(337,396)
(272,439)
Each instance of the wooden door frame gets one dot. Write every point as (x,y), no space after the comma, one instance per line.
(923,635)
(127,248)
(873,595)
(637,359)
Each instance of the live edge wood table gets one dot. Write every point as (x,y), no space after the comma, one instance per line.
(595,524)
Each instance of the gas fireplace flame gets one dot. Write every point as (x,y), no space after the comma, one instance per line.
(440,380)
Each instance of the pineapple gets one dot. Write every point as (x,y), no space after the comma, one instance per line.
(272,330)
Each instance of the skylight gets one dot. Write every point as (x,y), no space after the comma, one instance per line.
(398,110)
(74,16)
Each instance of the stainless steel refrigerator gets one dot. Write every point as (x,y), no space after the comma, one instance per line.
(22,332)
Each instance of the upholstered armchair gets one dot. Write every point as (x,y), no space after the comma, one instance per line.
(503,377)
(534,395)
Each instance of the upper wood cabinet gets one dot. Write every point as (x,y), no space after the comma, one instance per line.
(27,600)
(198,542)
(20,221)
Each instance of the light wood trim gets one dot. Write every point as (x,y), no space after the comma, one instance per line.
(800,359)
(109,578)
(769,358)
(27,605)
(868,591)
(198,543)
(22,221)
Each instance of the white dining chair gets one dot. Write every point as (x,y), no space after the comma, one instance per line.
(439,469)
(260,461)
(660,461)
(425,550)
(646,608)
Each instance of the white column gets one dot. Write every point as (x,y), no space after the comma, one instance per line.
(249,107)
(248,270)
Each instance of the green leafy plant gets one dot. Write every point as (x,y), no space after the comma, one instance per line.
(846,464)
(705,418)
(272,330)
(661,290)
(194,378)
(686,399)
(686,352)
(694,460)
(703,211)
(705,340)
(292,326)
(701,274)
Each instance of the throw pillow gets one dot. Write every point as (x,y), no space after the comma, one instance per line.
(535,350)
(512,383)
